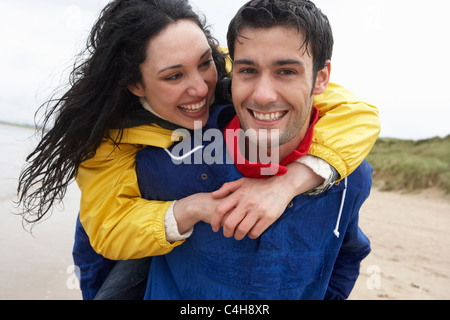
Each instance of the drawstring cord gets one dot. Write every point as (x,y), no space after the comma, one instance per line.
(336,230)
(181,158)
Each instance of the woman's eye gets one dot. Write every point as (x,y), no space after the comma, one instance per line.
(207,63)
(174,77)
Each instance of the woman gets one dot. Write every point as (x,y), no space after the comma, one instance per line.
(108,115)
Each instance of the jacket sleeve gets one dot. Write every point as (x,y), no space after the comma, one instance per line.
(346,131)
(120,224)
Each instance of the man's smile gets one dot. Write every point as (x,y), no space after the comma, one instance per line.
(267,116)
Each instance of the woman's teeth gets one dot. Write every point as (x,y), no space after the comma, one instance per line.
(193,107)
(268,116)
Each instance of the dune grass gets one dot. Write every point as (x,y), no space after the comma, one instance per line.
(411,165)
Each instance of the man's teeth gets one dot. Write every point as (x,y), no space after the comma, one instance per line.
(193,107)
(268,116)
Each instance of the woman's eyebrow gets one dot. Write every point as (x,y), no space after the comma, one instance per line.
(176,66)
(205,53)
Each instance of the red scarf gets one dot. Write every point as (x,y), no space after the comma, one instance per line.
(253,170)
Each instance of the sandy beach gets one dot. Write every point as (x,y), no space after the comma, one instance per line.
(409,233)
(410,258)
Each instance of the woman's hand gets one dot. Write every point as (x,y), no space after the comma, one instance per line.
(250,206)
(192,209)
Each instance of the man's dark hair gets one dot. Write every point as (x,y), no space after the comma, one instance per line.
(300,14)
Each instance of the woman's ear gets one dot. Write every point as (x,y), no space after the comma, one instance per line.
(322,79)
(137,89)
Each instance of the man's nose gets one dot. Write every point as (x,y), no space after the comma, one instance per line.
(264,91)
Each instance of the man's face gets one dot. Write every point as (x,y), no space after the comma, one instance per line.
(273,81)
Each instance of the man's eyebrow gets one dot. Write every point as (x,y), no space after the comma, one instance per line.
(176,66)
(279,63)
(245,62)
(276,63)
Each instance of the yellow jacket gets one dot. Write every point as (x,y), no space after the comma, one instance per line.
(121,225)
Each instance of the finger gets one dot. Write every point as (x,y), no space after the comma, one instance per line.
(259,227)
(222,209)
(219,225)
(226,189)
(247,224)
(231,222)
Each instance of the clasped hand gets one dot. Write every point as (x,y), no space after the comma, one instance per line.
(246,206)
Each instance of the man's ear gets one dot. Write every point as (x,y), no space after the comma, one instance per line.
(322,79)
(137,89)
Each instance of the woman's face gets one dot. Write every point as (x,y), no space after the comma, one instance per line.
(179,75)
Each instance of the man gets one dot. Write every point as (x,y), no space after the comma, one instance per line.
(281,52)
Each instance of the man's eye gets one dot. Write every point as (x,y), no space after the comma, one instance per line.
(287,72)
(247,71)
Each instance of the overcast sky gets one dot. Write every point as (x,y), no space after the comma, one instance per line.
(393,54)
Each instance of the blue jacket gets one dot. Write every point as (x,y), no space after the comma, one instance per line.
(93,267)
(313,251)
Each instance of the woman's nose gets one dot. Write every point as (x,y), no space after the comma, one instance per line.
(198,87)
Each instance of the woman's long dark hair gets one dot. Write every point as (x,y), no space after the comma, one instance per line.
(98,99)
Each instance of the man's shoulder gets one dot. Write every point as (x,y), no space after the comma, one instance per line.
(362,172)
